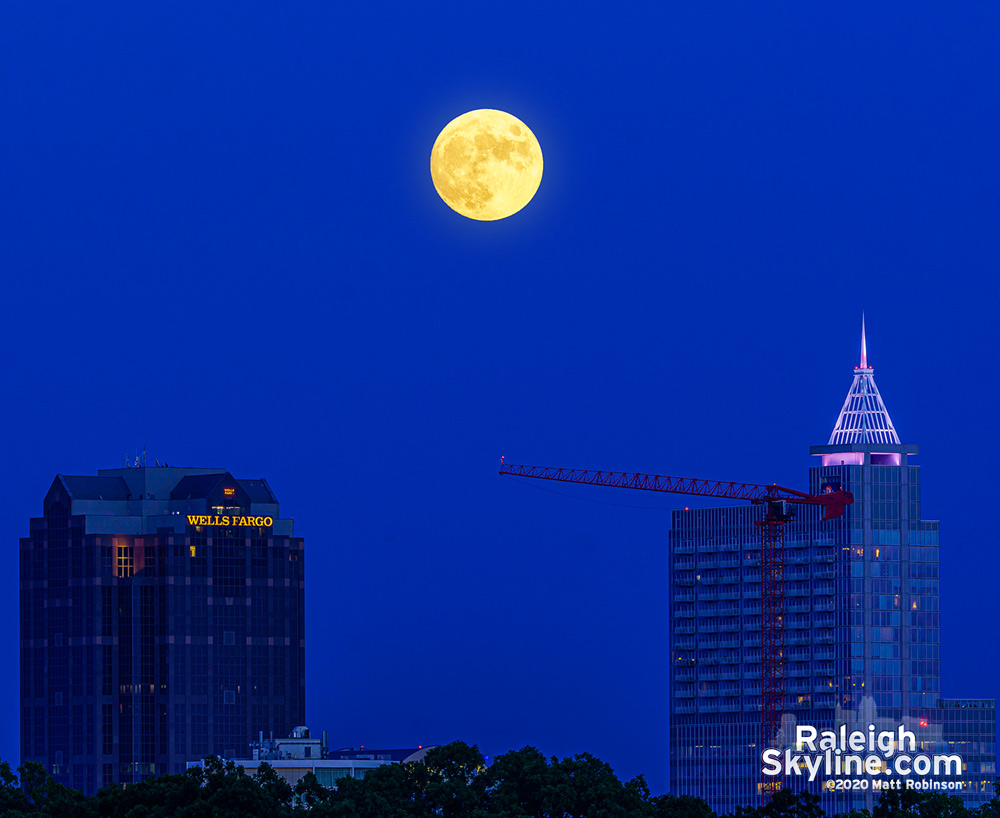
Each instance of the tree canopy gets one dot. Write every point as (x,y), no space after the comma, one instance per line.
(451,781)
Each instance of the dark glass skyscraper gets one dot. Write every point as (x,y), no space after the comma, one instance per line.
(162,619)
(861,624)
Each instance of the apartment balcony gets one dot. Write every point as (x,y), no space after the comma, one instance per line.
(708,708)
(710,627)
(708,595)
(730,708)
(685,613)
(684,694)
(685,644)
(825,573)
(684,548)
(708,580)
(751,674)
(732,627)
(730,675)
(797,592)
(729,611)
(824,639)
(752,643)
(799,640)
(729,595)
(825,654)
(752,690)
(684,596)
(825,589)
(826,622)
(685,629)
(800,673)
(684,709)
(683,565)
(798,655)
(729,692)
(730,563)
(798,607)
(684,581)
(731,580)
(708,644)
(825,606)
(684,676)
(729,643)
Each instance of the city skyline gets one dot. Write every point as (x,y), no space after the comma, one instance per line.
(223,246)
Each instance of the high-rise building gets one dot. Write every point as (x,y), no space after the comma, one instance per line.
(861,625)
(162,620)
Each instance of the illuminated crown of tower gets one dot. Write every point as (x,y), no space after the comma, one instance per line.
(864,418)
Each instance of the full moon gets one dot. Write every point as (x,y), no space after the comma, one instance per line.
(486,164)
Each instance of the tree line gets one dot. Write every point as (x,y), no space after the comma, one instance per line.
(452,781)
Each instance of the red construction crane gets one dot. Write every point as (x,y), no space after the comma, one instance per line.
(772,560)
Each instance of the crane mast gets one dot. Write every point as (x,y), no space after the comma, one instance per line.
(778,514)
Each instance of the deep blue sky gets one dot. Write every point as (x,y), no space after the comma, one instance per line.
(219,236)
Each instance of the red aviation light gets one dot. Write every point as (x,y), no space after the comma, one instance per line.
(925,723)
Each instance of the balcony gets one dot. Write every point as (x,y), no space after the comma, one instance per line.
(708,708)
(684,694)
(684,676)
(683,565)
(732,627)
(825,606)
(730,675)
(684,613)
(685,581)
(729,595)
(685,629)
(684,709)
(797,591)
(825,654)
(824,588)
(729,643)
(729,692)
(799,607)
(707,628)
(731,708)
(684,644)
(825,573)
(799,640)
(684,596)
(684,548)
(826,622)
(751,674)
(751,643)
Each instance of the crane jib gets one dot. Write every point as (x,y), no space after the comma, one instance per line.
(833,502)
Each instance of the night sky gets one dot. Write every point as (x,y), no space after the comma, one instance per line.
(219,240)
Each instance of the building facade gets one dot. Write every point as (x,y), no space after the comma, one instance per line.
(861,625)
(300,753)
(162,620)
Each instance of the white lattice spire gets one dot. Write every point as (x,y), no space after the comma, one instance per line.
(864,418)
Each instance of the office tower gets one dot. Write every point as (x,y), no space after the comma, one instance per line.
(162,620)
(861,623)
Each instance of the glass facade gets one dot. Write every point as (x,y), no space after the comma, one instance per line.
(162,619)
(861,633)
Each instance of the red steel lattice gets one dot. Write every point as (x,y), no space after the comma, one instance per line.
(772,562)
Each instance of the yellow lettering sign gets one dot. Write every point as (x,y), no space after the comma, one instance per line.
(226,520)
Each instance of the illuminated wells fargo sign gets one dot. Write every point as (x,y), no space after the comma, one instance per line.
(226,520)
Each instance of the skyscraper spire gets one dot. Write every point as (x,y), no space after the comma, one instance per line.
(864,418)
(864,347)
